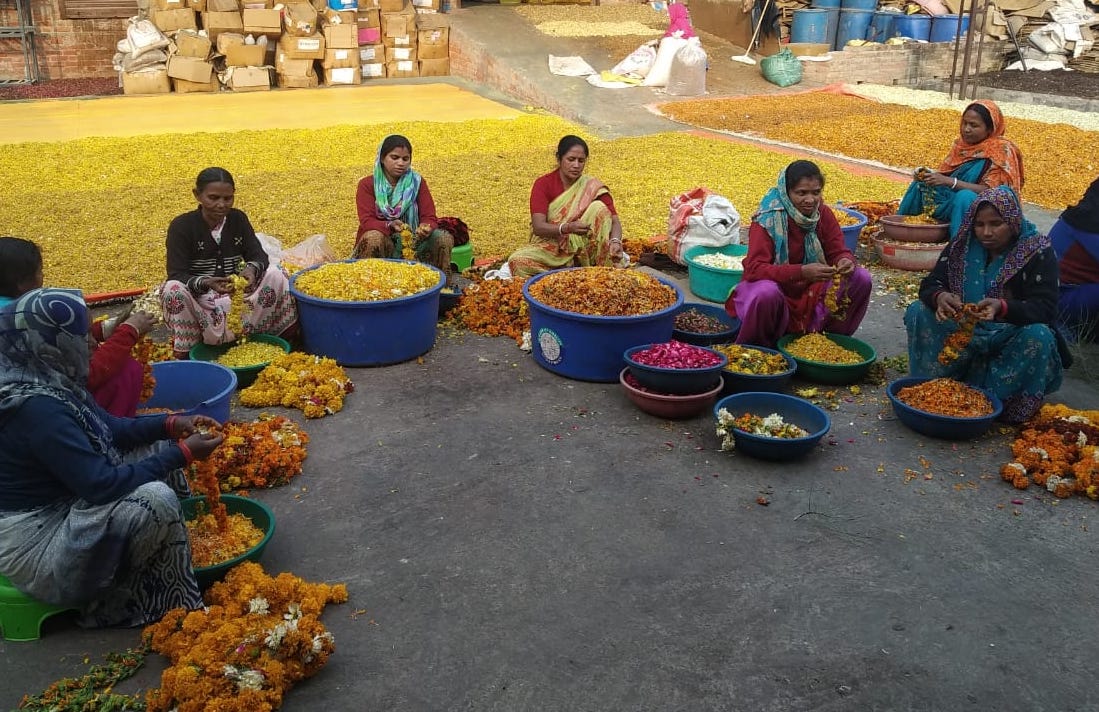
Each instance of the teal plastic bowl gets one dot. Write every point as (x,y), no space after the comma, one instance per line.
(833,373)
(711,283)
(246,375)
(258,512)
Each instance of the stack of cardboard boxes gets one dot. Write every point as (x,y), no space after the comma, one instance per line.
(235,43)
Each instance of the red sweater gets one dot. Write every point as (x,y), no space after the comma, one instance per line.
(368,207)
(759,264)
(546,189)
(109,356)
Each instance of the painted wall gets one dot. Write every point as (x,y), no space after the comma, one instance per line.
(67,49)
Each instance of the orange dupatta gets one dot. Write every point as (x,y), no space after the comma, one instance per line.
(1004,157)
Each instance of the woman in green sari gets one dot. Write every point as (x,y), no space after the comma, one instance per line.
(572,218)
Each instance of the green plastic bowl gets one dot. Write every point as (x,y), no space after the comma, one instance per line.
(833,373)
(246,375)
(260,515)
(711,283)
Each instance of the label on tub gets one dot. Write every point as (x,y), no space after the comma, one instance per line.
(549,343)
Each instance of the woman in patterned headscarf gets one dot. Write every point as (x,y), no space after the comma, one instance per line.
(795,251)
(980,158)
(1003,272)
(82,524)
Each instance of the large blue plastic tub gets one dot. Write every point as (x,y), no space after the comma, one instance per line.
(944,28)
(590,348)
(192,388)
(811,25)
(369,333)
(851,232)
(881,27)
(916,27)
(853,26)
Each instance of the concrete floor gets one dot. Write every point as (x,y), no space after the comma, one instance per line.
(521,541)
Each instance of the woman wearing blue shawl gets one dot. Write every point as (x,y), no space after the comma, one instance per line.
(1006,272)
(86,521)
(395,196)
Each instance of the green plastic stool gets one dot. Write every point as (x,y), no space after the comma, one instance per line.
(20,615)
(462,256)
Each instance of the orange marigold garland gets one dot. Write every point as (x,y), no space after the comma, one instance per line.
(147,352)
(255,639)
(1057,449)
(267,452)
(957,342)
(494,308)
(313,384)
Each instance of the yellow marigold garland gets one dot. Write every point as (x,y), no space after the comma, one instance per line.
(255,639)
(313,384)
(234,320)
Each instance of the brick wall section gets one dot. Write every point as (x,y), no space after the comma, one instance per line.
(901,65)
(67,49)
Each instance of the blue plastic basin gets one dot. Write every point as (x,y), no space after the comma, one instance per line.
(793,410)
(587,347)
(940,426)
(369,333)
(192,388)
(699,338)
(851,232)
(675,381)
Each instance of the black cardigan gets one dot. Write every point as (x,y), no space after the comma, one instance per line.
(192,252)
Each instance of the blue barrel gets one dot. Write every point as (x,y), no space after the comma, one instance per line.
(859,4)
(811,26)
(881,27)
(916,27)
(853,26)
(944,28)
(825,4)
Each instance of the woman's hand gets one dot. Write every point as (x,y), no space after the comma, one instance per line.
(202,445)
(935,179)
(251,274)
(180,426)
(616,249)
(947,306)
(988,308)
(141,322)
(424,230)
(845,266)
(575,227)
(221,285)
(817,272)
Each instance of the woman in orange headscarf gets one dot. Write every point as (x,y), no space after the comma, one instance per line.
(981,158)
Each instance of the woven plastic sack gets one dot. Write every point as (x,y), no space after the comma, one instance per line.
(687,76)
(658,74)
(144,37)
(782,69)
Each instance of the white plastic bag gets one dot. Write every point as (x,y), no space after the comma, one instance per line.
(144,36)
(687,76)
(313,250)
(658,74)
(272,247)
(699,217)
(638,63)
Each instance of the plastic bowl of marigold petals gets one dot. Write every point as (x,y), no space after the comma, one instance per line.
(666,405)
(249,526)
(914,228)
(246,358)
(943,408)
(770,426)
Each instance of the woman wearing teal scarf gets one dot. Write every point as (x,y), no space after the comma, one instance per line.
(795,250)
(397,213)
(1002,265)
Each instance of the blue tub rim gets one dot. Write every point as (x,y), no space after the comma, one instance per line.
(598,319)
(204,404)
(378,303)
(897,384)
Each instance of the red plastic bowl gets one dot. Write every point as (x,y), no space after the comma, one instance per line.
(669,406)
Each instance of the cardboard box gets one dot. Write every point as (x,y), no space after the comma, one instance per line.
(192,69)
(159,5)
(189,43)
(302,47)
(372,53)
(299,19)
(171,20)
(262,22)
(433,43)
(406,41)
(318,5)
(396,54)
(434,67)
(373,70)
(249,79)
(294,67)
(343,75)
(222,6)
(341,36)
(338,17)
(245,55)
(391,5)
(426,5)
(370,35)
(218,22)
(340,58)
(197,5)
(402,68)
(370,5)
(286,81)
(146,81)
(182,86)
(398,25)
(257,4)
(369,18)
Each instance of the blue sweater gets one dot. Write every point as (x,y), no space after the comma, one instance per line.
(45,456)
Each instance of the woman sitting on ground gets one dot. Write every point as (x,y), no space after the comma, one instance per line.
(81,524)
(573,220)
(396,195)
(796,252)
(205,247)
(115,377)
(1075,238)
(981,158)
(1002,273)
